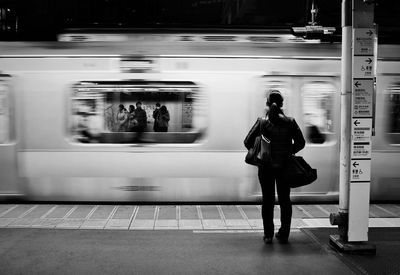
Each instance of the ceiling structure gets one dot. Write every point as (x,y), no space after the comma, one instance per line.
(43,19)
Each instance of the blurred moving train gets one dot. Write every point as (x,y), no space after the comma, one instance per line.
(59,134)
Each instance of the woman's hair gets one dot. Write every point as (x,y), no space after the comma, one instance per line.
(275,103)
(121,106)
(163,109)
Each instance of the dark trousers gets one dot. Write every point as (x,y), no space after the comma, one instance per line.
(267,177)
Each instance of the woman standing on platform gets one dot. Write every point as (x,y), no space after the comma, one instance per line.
(286,139)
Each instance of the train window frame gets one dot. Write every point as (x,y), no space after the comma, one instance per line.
(6,114)
(392,137)
(318,136)
(193,136)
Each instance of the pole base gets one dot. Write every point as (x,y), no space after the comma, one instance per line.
(364,248)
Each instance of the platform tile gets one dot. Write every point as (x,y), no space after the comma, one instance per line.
(70,224)
(166,224)
(23,222)
(256,223)
(213,224)
(6,221)
(190,224)
(236,223)
(379,222)
(145,224)
(395,222)
(317,223)
(118,224)
(46,223)
(94,224)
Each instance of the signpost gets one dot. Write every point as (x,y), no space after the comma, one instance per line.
(361,129)
(357,107)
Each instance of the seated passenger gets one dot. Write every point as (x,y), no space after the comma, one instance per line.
(87,128)
(313,133)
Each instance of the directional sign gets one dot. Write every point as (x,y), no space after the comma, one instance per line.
(361,130)
(361,150)
(364,41)
(360,170)
(363,90)
(363,67)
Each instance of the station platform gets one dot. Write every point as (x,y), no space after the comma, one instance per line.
(181,217)
(184,239)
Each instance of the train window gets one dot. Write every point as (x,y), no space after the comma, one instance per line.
(137,112)
(318,97)
(4,114)
(393,127)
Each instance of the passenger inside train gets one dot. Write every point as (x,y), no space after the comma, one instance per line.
(313,133)
(162,115)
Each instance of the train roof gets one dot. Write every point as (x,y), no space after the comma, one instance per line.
(188,44)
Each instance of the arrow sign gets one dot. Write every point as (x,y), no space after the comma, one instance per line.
(369,60)
(357,84)
(356,123)
(370,32)
(355,164)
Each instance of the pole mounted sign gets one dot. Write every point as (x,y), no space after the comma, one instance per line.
(362,103)
(363,43)
(363,70)
(363,97)
(359,50)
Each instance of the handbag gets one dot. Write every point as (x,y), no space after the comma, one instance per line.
(260,153)
(298,172)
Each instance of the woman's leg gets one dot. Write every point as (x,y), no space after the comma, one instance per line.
(286,205)
(267,182)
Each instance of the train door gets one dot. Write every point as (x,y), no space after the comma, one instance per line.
(313,102)
(8,151)
(319,117)
(385,174)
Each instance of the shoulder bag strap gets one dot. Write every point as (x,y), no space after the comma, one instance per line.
(264,123)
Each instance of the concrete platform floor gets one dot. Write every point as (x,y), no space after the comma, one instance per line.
(60,251)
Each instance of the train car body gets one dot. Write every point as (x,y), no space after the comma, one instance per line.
(61,139)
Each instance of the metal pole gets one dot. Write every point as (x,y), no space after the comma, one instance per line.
(345,115)
(345,100)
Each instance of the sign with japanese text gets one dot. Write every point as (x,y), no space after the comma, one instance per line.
(364,41)
(361,129)
(360,170)
(363,92)
(363,67)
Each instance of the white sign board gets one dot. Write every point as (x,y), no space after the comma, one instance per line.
(361,129)
(360,170)
(364,41)
(363,91)
(363,67)
(361,150)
